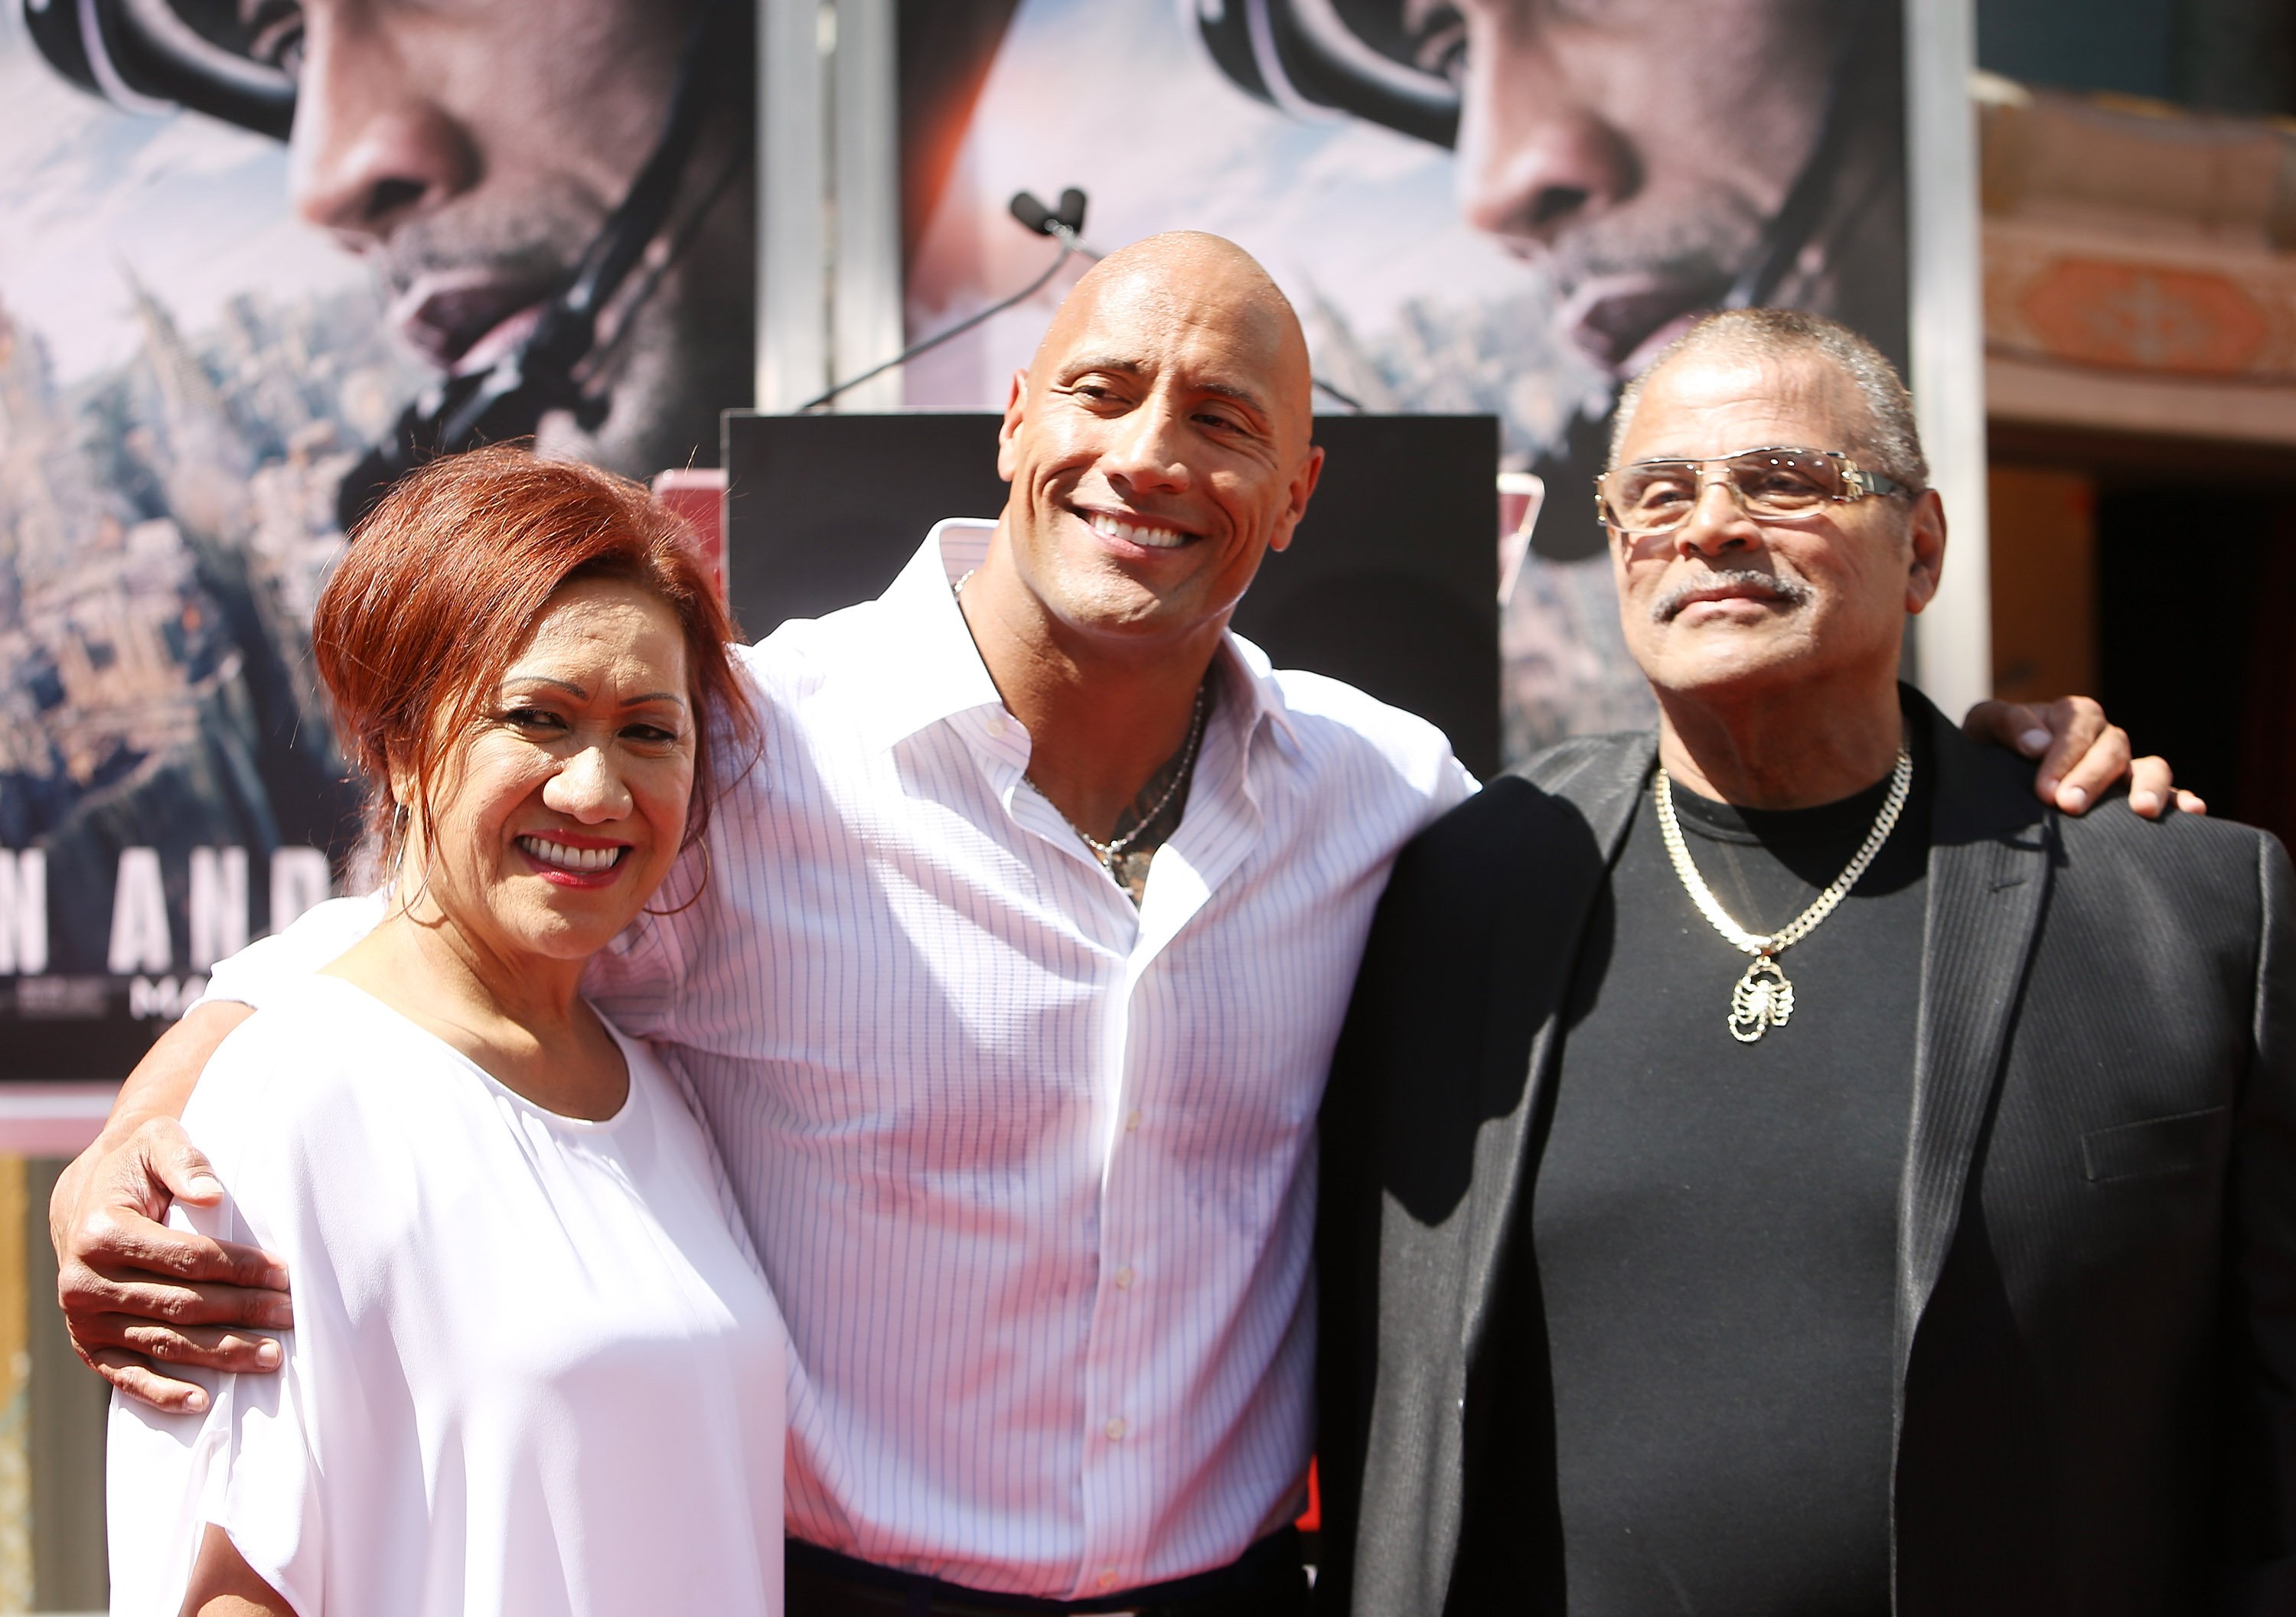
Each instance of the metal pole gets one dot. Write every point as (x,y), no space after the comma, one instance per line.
(1953,640)
(793,202)
(867,324)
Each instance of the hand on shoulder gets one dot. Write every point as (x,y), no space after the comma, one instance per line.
(2081,755)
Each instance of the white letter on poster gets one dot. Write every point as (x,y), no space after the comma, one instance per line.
(298,879)
(218,904)
(139,915)
(24,911)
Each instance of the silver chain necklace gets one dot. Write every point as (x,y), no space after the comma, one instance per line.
(1763,998)
(1107,853)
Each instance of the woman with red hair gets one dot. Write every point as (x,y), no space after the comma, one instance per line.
(534,1367)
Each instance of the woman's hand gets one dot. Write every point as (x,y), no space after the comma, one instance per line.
(2080,753)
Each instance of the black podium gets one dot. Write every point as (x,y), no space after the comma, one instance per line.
(1391,583)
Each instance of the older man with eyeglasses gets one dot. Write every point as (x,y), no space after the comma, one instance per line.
(1774,1165)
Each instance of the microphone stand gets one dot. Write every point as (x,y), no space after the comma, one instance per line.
(1062,224)
(1069,248)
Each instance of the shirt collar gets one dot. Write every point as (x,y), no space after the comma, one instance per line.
(932,671)
(926,667)
(1252,677)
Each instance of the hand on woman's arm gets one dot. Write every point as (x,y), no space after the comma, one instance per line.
(137,1294)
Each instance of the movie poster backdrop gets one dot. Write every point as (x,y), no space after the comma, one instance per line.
(1476,205)
(204,340)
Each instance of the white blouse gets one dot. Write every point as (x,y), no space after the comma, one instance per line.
(534,1369)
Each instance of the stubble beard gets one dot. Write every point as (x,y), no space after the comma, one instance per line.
(689,352)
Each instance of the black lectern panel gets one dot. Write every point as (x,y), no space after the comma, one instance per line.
(1391,583)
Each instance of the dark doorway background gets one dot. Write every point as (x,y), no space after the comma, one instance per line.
(2194,608)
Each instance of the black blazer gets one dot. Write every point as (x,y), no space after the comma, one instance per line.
(2095,1346)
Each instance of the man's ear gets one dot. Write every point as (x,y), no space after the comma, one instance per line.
(1016,405)
(1303,485)
(1926,531)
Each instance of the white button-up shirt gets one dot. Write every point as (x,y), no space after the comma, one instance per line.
(1032,1172)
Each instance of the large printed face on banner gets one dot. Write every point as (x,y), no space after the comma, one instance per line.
(470,155)
(208,312)
(1643,153)
(1501,205)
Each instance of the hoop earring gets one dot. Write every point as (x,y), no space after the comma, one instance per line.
(402,824)
(700,887)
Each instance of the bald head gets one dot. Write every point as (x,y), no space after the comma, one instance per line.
(1192,278)
(1158,445)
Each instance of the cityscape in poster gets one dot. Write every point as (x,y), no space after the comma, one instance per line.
(206,331)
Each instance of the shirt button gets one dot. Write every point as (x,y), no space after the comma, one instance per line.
(999,724)
(1124,1278)
(1108,1576)
(1115,1429)
(1131,1121)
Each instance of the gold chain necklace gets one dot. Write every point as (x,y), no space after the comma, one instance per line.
(1763,998)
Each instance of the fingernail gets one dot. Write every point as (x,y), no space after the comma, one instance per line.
(2034,741)
(2073,798)
(2145,802)
(196,1401)
(203,1185)
(267,1355)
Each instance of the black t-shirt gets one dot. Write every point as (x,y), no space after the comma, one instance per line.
(1713,1227)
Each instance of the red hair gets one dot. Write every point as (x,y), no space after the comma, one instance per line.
(446,576)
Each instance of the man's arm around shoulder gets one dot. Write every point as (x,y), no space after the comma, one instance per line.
(135,1294)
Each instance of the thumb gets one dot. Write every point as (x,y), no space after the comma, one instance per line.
(2009,724)
(184,1168)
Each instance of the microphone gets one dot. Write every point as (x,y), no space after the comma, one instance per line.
(1060,225)
(1064,223)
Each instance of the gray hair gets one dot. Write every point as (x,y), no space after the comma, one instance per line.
(1891,444)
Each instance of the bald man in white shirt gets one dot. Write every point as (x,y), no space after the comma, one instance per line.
(1008,989)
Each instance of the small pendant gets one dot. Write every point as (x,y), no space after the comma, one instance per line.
(1762,1000)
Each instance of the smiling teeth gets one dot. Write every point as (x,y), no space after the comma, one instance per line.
(1153,538)
(588,860)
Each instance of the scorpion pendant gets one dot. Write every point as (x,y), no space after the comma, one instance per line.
(1762,1000)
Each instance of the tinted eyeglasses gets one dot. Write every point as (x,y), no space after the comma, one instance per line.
(1647,497)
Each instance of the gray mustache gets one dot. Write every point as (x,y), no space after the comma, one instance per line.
(1794,592)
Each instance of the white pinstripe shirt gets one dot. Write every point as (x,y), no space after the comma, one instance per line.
(1031,1172)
